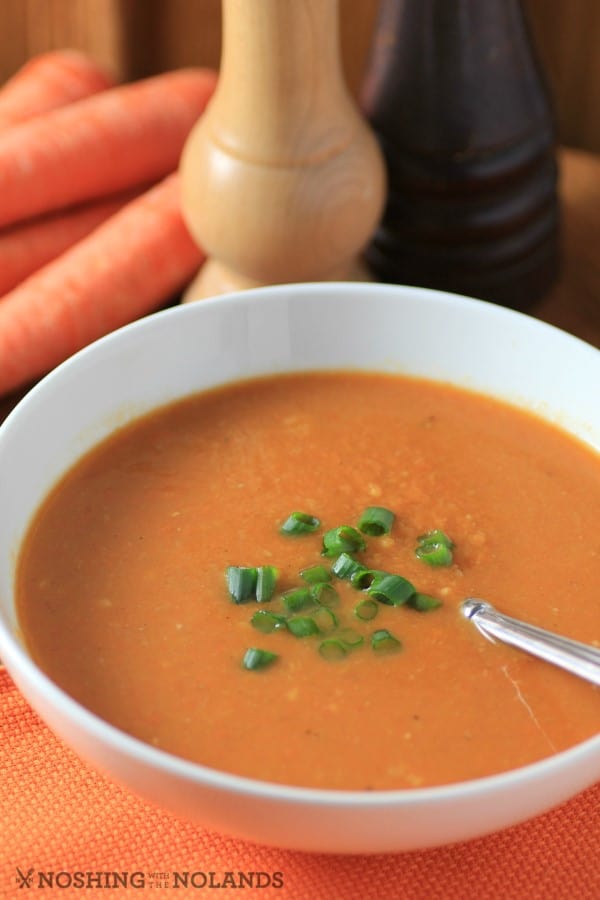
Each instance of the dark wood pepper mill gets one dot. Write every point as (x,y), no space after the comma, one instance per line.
(457,99)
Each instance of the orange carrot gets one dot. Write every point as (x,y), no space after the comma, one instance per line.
(27,247)
(125,136)
(48,81)
(132,264)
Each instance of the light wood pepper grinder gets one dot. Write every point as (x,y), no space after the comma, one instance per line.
(282,178)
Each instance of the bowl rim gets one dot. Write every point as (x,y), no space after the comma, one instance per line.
(392,293)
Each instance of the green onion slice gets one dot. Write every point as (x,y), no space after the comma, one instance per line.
(332,649)
(349,637)
(343,539)
(393,590)
(266,621)
(266,579)
(325,619)
(324,594)
(366,610)
(424,602)
(297,599)
(298,523)
(383,641)
(315,575)
(345,566)
(376,520)
(255,658)
(435,548)
(241,583)
(436,537)
(434,554)
(302,626)
(363,578)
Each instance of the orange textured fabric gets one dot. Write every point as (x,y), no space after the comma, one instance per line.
(58,816)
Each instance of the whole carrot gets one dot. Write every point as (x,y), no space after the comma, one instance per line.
(127,267)
(27,247)
(48,81)
(119,138)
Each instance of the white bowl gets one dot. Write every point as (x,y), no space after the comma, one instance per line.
(189,348)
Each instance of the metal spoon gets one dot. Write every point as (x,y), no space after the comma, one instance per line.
(580,659)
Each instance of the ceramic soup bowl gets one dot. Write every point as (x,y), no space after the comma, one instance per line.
(289,328)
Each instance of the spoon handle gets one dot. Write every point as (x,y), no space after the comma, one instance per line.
(580,659)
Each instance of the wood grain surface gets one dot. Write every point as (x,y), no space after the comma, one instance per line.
(567,36)
(574,303)
(134,38)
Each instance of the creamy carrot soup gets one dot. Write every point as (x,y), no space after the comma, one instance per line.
(161,587)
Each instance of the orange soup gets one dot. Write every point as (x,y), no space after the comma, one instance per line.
(128,577)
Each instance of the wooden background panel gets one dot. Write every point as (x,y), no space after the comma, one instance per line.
(567,36)
(165,34)
(135,38)
(13,36)
(28,27)
(162,35)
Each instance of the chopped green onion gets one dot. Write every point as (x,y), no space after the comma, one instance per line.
(315,575)
(363,578)
(325,619)
(394,590)
(376,520)
(436,537)
(435,548)
(266,621)
(424,602)
(241,583)
(302,626)
(324,594)
(434,554)
(319,595)
(349,637)
(254,658)
(332,649)
(265,582)
(383,641)
(297,599)
(344,539)
(366,610)
(345,566)
(298,523)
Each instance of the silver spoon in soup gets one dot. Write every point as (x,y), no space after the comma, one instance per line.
(578,658)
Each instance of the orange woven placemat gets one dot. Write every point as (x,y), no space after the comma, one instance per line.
(66,830)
